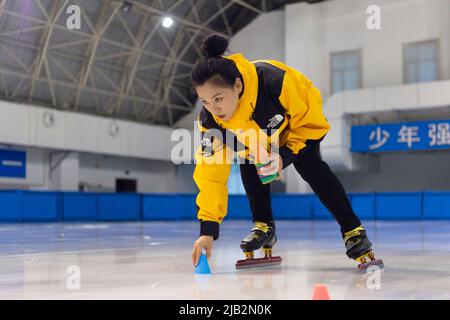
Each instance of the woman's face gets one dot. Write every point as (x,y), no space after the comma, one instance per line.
(220,101)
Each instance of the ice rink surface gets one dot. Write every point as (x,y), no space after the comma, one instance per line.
(152,260)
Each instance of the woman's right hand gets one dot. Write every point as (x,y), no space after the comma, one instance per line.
(203,242)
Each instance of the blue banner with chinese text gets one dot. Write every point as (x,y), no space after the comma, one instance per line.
(405,136)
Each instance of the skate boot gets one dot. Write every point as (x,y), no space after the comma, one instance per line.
(262,236)
(359,248)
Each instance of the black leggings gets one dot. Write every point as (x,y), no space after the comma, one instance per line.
(317,174)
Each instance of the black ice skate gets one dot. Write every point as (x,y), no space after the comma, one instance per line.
(359,248)
(262,236)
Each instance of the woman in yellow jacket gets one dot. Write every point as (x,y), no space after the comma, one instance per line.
(284,109)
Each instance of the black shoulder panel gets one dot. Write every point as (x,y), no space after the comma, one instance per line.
(269,114)
(208,122)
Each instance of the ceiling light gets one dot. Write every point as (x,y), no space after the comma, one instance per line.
(167,22)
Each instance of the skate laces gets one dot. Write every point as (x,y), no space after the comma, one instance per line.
(264,227)
(353,233)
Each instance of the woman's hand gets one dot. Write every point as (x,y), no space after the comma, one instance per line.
(275,165)
(203,242)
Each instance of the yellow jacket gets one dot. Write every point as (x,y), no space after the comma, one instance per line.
(275,97)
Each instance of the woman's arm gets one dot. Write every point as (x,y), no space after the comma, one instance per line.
(211,176)
(213,165)
(303,104)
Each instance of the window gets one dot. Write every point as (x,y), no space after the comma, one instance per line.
(345,71)
(235,185)
(420,61)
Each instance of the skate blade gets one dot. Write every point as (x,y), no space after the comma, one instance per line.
(364,266)
(258,263)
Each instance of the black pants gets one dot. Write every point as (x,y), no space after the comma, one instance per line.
(317,174)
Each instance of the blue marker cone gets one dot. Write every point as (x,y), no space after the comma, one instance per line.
(202,266)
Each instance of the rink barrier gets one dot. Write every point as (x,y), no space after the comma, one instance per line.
(168,207)
(119,207)
(292,206)
(30,206)
(436,205)
(398,206)
(238,208)
(364,204)
(9,211)
(48,206)
(77,206)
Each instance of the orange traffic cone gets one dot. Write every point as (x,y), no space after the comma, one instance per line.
(321,292)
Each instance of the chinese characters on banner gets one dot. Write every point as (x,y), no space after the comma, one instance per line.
(422,135)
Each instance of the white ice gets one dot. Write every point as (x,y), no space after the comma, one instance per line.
(152,260)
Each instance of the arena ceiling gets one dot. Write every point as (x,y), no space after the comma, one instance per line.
(122,63)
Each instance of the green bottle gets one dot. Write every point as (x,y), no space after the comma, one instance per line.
(267,179)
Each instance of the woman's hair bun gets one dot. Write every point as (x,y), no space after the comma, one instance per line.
(214,45)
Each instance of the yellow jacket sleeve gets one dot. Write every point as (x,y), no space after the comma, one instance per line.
(213,165)
(303,104)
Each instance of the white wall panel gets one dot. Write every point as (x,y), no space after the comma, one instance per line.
(359,101)
(432,94)
(13,123)
(50,134)
(110,144)
(81,132)
(397,97)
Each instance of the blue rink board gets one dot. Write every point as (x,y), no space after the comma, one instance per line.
(36,206)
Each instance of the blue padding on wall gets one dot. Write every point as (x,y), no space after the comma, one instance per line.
(399,206)
(9,210)
(238,208)
(363,205)
(119,207)
(29,206)
(436,205)
(187,206)
(286,206)
(160,207)
(319,211)
(78,206)
(39,206)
